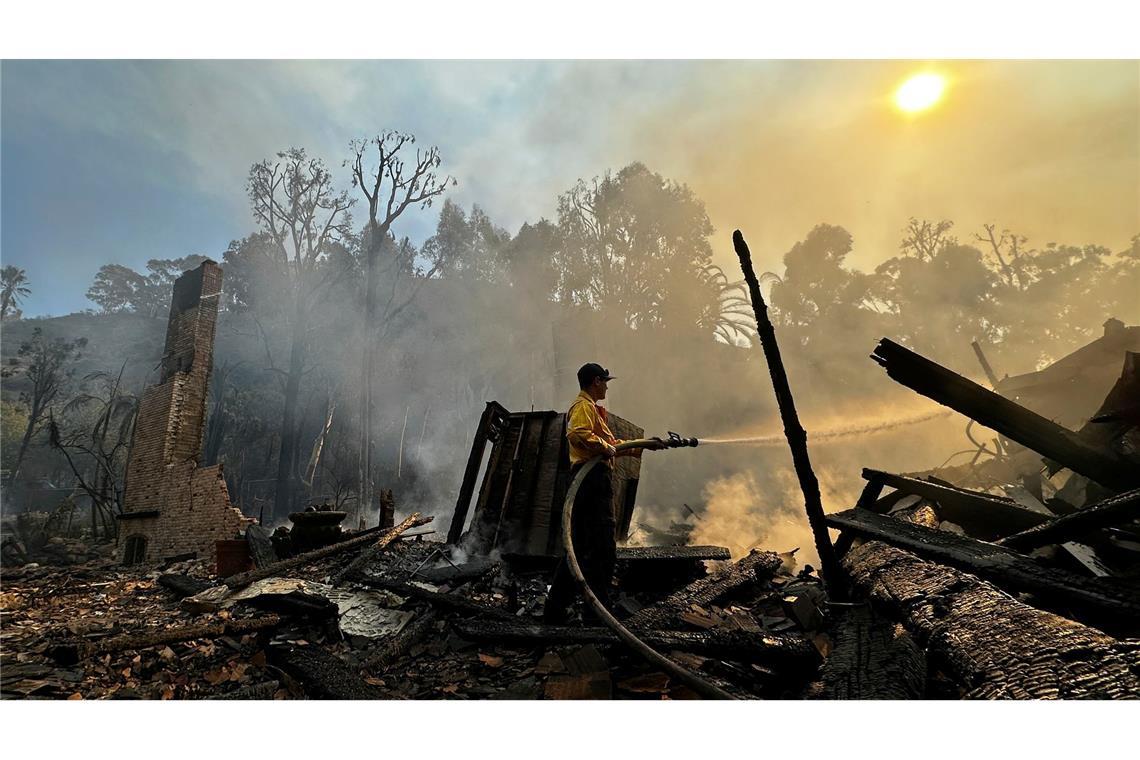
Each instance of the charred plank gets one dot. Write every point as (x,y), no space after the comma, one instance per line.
(1120,508)
(671,553)
(983,515)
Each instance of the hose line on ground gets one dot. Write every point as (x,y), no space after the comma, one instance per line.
(690,679)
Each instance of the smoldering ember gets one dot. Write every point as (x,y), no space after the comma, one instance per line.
(332,463)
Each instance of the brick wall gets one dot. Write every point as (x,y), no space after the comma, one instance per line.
(193,503)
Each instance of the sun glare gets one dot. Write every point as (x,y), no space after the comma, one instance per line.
(920,92)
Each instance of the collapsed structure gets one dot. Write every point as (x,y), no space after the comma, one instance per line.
(171,506)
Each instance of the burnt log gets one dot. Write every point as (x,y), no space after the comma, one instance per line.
(71,653)
(1006,417)
(1103,598)
(871,658)
(784,652)
(322,674)
(752,570)
(1120,508)
(993,646)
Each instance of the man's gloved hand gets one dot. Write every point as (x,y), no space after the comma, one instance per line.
(609,452)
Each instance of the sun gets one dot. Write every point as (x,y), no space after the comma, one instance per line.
(920,92)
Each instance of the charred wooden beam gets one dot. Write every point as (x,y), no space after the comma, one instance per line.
(1104,514)
(672,553)
(981,514)
(756,568)
(797,437)
(1007,417)
(785,652)
(322,674)
(388,536)
(992,645)
(75,652)
(1102,597)
(244,579)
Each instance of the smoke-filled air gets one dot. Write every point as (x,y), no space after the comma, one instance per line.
(391,267)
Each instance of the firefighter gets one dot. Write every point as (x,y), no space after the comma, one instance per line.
(593,527)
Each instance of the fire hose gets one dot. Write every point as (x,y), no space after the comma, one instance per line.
(690,679)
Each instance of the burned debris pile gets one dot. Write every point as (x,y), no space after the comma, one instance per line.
(287,630)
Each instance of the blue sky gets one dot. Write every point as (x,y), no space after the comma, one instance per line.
(121,161)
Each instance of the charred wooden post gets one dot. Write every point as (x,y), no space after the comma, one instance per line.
(797,437)
(1118,509)
(993,646)
(483,433)
(1008,418)
(985,364)
(1106,599)
(755,568)
(244,579)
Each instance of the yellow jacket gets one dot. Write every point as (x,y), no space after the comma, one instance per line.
(586,429)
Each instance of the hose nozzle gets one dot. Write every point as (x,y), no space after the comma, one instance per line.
(676,441)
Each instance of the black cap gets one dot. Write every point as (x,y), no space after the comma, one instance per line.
(588,372)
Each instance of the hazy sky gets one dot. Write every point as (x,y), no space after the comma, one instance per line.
(107,161)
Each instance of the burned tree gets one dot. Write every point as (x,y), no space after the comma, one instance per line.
(47,371)
(391,185)
(294,203)
(97,454)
